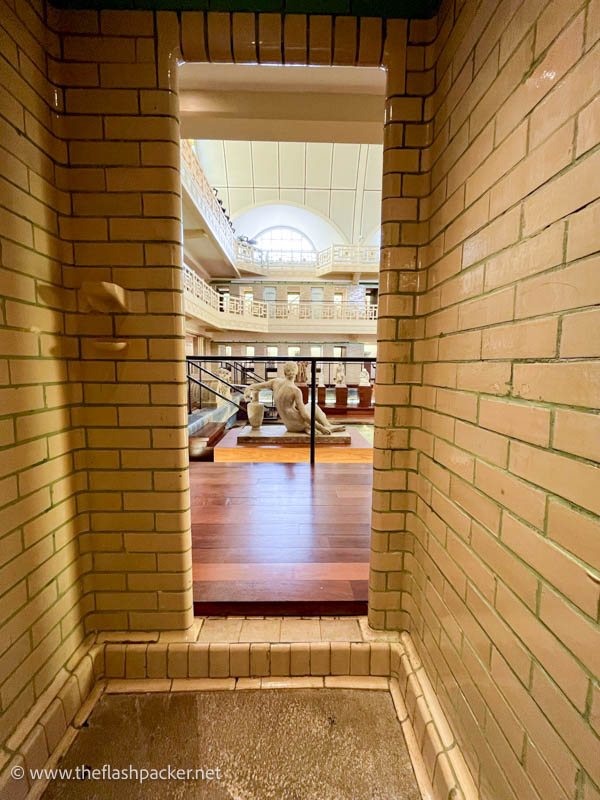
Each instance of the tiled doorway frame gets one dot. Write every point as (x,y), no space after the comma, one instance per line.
(321,40)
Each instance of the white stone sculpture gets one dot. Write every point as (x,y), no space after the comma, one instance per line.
(322,383)
(224,374)
(301,378)
(254,409)
(365,379)
(290,406)
(340,375)
(222,387)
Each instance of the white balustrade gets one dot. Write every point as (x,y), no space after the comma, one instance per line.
(246,255)
(256,310)
(201,192)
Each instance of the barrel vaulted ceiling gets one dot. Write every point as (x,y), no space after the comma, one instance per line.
(340,182)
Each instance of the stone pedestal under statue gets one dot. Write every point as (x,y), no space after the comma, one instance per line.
(277,434)
(341,396)
(321,395)
(365,396)
(304,389)
(290,406)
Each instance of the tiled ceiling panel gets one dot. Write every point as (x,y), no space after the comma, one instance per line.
(212,158)
(265,158)
(318,165)
(240,199)
(318,199)
(374,167)
(239,162)
(341,182)
(291,164)
(371,214)
(342,211)
(344,170)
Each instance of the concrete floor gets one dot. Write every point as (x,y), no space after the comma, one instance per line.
(322,744)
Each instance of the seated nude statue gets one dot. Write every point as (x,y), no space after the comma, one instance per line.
(290,406)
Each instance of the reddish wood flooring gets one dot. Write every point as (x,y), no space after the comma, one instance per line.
(360,451)
(273,538)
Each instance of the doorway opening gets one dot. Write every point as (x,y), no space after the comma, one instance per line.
(286,271)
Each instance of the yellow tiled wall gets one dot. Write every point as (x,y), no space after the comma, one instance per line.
(42,480)
(122,128)
(486,528)
(485,542)
(94,520)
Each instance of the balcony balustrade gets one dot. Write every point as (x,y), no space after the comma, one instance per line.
(348,258)
(203,302)
(337,259)
(201,192)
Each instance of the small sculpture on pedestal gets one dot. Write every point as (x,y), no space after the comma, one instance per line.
(290,405)
(302,373)
(365,389)
(221,385)
(340,375)
(341,390)
(254,409)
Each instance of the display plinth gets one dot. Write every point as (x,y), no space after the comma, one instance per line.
(278,435)
(365,396)
(321,395)
(341,396)
(304,389)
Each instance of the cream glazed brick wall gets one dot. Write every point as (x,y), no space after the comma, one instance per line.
(95,440)
(118,71)
(42,602)
(394,495)
(500,581)
(45,734)
(119,76)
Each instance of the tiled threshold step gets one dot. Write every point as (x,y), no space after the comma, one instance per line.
(283,608)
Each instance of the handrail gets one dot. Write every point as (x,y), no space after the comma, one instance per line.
(194,179)
(232,365)
(195,362)
(276,310)
(208,372)
(238,365)
(350,256)
(214,391)
(313,361)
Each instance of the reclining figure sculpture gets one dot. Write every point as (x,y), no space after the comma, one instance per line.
(290,406)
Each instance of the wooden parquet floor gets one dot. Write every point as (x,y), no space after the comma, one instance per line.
(272,538)
(360,451)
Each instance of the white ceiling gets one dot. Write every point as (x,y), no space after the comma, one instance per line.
(290,78)
(340,182)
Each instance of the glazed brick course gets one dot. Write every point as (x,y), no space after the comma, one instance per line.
(504,458)
(486,475)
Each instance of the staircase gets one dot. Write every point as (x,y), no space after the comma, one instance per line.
(203,441)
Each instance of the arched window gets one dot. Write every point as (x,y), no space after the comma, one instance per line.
(286,245)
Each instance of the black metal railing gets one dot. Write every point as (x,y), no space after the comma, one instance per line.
(247,375)
(209,389)
(194,364)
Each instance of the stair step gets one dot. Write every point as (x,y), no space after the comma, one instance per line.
(208,435)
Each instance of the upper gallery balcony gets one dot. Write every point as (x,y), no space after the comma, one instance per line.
(216,312)
(207,233)
(338,261)
(210,240)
